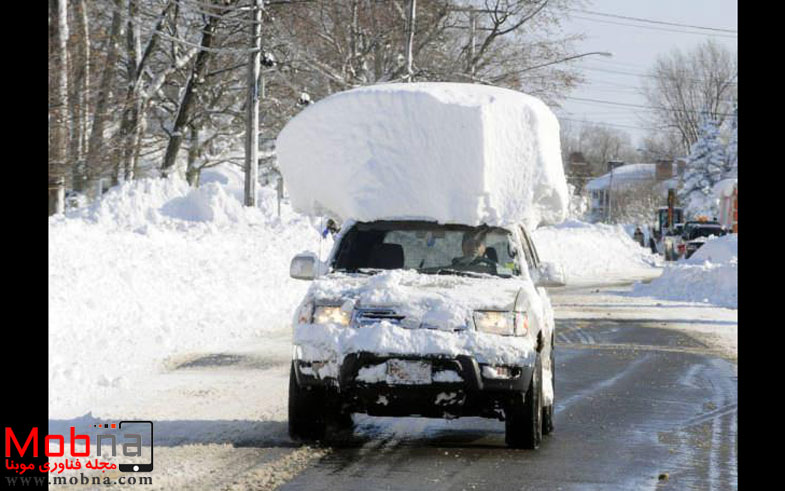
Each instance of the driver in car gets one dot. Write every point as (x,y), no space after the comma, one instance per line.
(473,248)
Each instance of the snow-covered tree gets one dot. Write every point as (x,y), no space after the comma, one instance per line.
(706,165)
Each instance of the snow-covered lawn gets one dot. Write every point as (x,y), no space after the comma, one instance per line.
(156,270)
(595,253)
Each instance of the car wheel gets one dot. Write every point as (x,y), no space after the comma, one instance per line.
(523,415)
(306,411)
(340,425)
(547,411)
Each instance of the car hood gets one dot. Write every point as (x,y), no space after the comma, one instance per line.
(426,300)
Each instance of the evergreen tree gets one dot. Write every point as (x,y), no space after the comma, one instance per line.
(707,164)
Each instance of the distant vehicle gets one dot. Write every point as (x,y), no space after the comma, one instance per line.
(696,233)
(665,231)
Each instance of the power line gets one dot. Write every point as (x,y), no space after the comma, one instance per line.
(733,36)
(656,77)
(640,106)
(652,21)
(617,125)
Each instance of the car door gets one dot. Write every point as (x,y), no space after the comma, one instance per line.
(549,327)
(533,260)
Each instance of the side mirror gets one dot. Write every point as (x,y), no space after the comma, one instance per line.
(550,275)
(303,266)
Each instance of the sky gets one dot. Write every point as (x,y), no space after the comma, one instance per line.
(635,47)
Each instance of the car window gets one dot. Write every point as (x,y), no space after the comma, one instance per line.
(427,248)
(531,255)
(705,232)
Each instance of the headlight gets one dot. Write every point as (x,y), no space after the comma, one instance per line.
(305,314)
(502,323)
(323,314)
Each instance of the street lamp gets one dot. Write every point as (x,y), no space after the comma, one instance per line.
(569,58)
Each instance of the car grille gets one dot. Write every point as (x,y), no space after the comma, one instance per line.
(364,317)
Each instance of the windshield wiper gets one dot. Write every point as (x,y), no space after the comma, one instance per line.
(457,272)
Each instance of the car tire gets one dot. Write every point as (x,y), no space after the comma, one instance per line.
(523,415)
(547,411)
(307,419)
(340,425)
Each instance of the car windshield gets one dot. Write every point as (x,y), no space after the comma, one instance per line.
(427,248)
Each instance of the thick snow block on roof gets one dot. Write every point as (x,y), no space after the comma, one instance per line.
(454,153)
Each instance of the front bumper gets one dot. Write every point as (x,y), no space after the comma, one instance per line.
(475,394)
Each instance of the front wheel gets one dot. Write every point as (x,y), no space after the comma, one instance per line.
(523,416)
(315,414)
(306,419)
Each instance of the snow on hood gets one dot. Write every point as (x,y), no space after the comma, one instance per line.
(439,301)
(438,312)
(333,343)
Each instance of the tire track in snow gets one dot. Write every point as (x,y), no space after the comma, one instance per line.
(711,415)
(707,441)
(598,386)
(639,347)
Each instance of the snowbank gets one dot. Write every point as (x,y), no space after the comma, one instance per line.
(454,153)
(709,276)
(717,250)
(173,204)
(155,269)
(594,253)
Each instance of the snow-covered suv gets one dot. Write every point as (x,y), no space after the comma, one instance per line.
(403,320)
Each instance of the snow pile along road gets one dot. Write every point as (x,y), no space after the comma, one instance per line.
(155,269)
(595,253)
(453,153)
(709,276)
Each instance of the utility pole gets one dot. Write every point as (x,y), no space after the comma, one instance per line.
(252,107)
(610,195)
(410,39)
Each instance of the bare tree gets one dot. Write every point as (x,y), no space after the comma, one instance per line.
(79,61)
(598,144)
(516,43)
(149,78)
(682,86)
(58,106)
(638,203)
(195,78)
(97,147)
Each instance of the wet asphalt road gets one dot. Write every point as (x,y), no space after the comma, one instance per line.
(634,403)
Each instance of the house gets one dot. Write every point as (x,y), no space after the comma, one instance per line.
(664,174)
(727,194)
